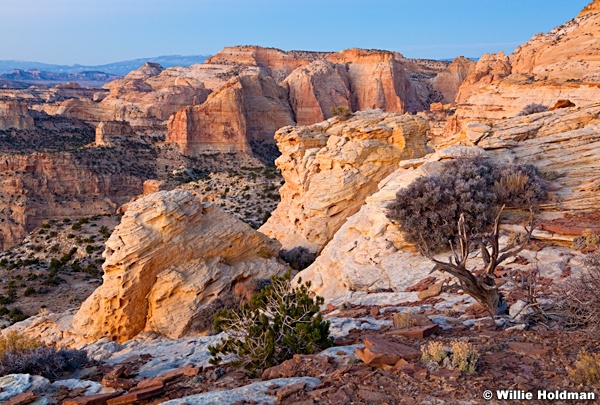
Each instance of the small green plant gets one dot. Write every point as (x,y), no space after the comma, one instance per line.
(279,321)
(586,369)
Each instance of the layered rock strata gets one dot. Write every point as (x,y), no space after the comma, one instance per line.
(171,256)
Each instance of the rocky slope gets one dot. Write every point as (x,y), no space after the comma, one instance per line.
(330,168)
(168,261)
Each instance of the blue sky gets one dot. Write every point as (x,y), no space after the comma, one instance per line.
(104,31)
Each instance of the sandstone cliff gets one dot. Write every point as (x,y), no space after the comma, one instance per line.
(275,62)
(42,186)
(331,167)
(376,78)
(171,256)
(250,107)
(14,114)
(315,89)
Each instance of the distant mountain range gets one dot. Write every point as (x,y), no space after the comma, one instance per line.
(116,68)
(16,74)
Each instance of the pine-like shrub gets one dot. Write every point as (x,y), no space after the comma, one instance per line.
(280,321)
(429,209)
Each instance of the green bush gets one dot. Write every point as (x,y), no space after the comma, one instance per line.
(429,209)
(279,321)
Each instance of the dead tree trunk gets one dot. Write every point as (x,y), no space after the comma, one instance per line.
(481,286)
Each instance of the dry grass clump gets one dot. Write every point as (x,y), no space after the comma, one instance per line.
(462,356)
(404,320)
(433,351)
(14,342)
(586,369)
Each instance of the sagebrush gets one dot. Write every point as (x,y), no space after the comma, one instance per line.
(578,304)
(429,209)
(280,321)
(22,355)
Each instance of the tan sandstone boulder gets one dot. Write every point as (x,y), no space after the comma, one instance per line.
(331,167)
(171,256)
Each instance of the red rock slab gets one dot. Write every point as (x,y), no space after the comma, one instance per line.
(528,349)
(445,374)
(423,284)
(122,383)
(99,399)
(432,291)
(163,379)
(289,390)
(417,332)
(383,352)
(135,396)
(22,399)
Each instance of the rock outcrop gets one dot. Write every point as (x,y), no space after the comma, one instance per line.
(370,254)
(561,64)
(111,129)
(331,167)
(315,89)
(14,114)
(449,81)
(171,256)
(250,107)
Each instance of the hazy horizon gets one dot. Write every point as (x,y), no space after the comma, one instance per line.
(69,32)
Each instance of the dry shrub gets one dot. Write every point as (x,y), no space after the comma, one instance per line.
(20,354)
(587,240)
(533,108)
(579,301)
(429,209)
(462,356)
(587,369)
(14,342)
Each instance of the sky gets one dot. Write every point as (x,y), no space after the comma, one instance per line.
(93,32)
